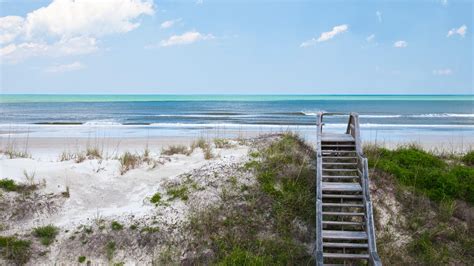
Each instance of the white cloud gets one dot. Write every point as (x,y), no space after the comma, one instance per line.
(444,2)
(68,27)
(169,23)
(65,68)
(461,31)
(400,44)
(185,38)
(379,15)
(370,38)
(10,28)
(442,72)
(325,36)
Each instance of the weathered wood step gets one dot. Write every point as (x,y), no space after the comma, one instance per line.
(333,186)
(348,235)
(341,176)
(340,170)
(344,213)
(332,137)
(338,163)
(346,256)
(344,245)
(355,205)
(342,223)
(339,157)
(337,145)
(337,151)
(341,196)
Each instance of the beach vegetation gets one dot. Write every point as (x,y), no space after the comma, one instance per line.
(16,250)
(81,259)
(8,185)
(199,143)
(110,250)
(128,161)
(93,153)
(46,234)
(116,226)
(66,193)
(468,158)
(13,153)
(424,171)
(208,154)
(262,224)
(222,143)
(176,149)
(178,192)
(156,198)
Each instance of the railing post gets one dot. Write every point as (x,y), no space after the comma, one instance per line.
(319,193)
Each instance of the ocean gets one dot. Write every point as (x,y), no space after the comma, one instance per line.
(381,116)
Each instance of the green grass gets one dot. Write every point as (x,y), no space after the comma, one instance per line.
(81,259)
(8,185)
(156,198)
(426,172)
(116,226)
(16,250)
(468,158)
(46,234)
(178,192)
(110,250)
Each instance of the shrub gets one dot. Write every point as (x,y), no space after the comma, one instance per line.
(176,149)
(14,249)
(222,143)
(46,234)
(81,259)
(8,184)
(116,226)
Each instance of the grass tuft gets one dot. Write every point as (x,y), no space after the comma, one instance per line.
(129,161)
(46,234)
(8,185)
(156,198)
(116,226)
(176,149)
(16,250)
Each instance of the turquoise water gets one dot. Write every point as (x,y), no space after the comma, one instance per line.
(150,115)
(25,98)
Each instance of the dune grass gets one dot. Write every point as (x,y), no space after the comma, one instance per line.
(176,149)
(46,234)
(426,172)
(256,225)
(129,161)
(14,249)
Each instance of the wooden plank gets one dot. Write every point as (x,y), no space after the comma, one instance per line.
(340,196)
(345,245)
(348,235)
(354,205)
(343,223)
(340,170)
(338,163)
(344,213)
(346,256)
(347,187)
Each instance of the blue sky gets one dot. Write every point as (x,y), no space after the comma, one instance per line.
(238,47)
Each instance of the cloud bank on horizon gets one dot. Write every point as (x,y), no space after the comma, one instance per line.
(225,48)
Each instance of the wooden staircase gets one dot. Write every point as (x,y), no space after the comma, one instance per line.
(344,221)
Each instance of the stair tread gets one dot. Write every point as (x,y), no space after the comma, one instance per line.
(344,213)
(334,137)
(342,196)
(340,151)
(339,163)
(333,186)
(340,170)
(346,256)
(341,176)
(343,205)
(339,157)
(335,234)
(342,223)
(345,245)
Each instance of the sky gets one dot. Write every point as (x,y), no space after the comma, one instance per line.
(236,47)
